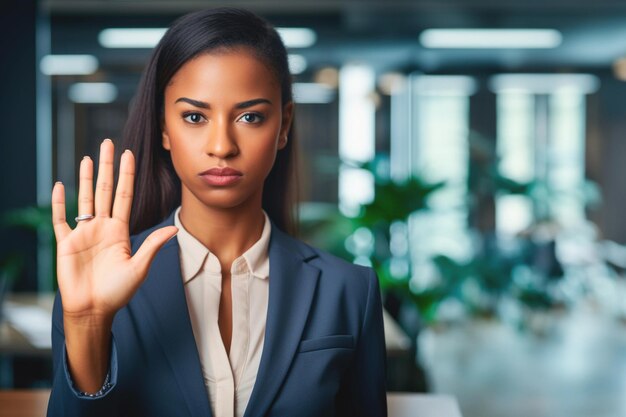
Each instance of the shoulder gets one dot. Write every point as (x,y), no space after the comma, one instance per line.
(337,270)
(327,261)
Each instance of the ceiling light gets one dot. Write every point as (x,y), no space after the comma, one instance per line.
(544,83)
(297,64)
(149,37)
(131,37)
(92,92)
(297,37)
(68,64)
(490,38)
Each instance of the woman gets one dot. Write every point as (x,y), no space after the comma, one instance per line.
(210,308)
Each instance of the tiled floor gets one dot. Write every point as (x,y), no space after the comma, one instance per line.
(576,369)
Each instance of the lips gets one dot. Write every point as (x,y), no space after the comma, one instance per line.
(222,172)
(220,176)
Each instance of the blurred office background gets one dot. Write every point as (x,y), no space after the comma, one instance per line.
(473,152)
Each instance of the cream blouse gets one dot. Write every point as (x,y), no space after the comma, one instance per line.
(229,378)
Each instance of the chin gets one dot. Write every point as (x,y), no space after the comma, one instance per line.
(226,199)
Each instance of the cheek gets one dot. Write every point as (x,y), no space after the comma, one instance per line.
(264,153)
(265,139)
(182,154)
(267,161)
(182,138)
(266,146)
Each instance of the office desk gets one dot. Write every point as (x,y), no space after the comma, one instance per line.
(25,337)
(400,404)
(24,403)
(26,326)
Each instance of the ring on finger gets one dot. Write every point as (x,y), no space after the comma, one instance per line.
(83,217)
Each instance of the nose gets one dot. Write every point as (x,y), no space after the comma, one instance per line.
(220,142)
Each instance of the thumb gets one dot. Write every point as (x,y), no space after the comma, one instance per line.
(148,249)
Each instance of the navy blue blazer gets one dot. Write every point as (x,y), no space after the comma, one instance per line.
(324,351)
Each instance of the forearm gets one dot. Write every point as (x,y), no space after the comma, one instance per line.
(88,348)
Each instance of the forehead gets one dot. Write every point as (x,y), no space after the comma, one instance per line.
(222,75)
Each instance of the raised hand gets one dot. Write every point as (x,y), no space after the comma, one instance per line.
(96,273)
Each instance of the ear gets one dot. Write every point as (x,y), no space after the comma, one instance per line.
(285,124)
(165,139)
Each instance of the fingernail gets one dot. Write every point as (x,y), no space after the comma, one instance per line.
(86,157)
(127,151)
(108,140)
(58,183)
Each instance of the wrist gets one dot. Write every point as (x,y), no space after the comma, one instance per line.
(89,322)
(92,331)
(88,347)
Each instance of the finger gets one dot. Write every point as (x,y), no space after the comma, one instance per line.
(85,187)
(124,192)
(104,183)
(148,249)
(61,228)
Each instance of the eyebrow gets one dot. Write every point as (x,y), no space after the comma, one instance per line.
(242,105)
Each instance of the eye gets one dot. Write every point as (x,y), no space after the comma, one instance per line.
(252,118)
(193,118)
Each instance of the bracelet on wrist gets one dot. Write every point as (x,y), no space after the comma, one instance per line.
(105,387)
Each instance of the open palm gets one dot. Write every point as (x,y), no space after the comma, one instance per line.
(96,273)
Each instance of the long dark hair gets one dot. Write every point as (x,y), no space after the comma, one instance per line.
(157,187)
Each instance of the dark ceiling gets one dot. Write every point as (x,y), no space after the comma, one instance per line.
(385,33)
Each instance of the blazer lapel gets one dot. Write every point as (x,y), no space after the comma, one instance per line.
(167,311)
(292,287)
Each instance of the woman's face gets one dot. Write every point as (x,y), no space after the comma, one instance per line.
(224,123)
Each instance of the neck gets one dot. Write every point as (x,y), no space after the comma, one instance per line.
(226,232)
